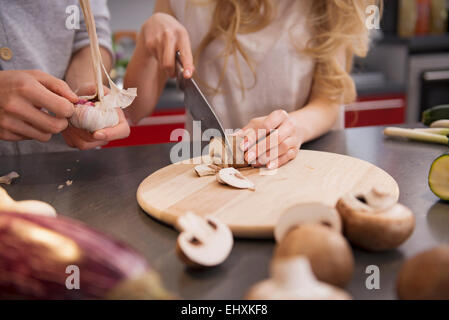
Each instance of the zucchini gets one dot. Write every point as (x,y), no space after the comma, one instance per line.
(436,113)
(35,252)
(439,177)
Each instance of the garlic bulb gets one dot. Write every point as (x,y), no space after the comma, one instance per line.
(101,114)
(92,118)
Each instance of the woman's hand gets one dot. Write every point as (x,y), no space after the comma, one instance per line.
(83,140)
(271,141)
(24,97)
(162,36)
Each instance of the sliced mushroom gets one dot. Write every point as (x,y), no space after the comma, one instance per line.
(375,221)
(221,156)
(328,251)
(312,212)
(425,276)
(7,179)
(234,178)
(203,242)
(206,169)
(292,279)
(25,206)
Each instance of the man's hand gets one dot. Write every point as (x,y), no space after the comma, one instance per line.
(23,97)
(271,141)
(83,140)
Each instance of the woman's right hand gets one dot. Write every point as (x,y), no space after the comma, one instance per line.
(162,36)
(23,95)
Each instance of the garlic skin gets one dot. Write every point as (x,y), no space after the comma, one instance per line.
(102,114)
(92,119)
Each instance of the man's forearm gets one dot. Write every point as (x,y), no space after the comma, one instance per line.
(79,73)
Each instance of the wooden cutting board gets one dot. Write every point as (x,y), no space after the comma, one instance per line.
(313,176)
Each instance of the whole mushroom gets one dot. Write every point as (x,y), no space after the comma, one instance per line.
(425,276)
(203,241)
(313,230)
(222,156)
(293,279)
(375,221)
(328,252)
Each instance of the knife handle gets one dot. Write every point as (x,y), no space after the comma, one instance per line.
(179,71)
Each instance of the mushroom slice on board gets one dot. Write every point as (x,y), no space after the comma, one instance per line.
(312,212)
(25,206)
(425,276)
(293,279)
(203,241)
(206,169)
(234,178)
(375,221)
(329,253)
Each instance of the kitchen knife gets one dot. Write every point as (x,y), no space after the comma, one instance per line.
(198,106)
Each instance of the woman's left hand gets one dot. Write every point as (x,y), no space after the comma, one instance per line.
(83,140)
(272,140)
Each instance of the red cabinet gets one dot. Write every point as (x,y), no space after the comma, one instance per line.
(366,111)
(376,110)
(154,129)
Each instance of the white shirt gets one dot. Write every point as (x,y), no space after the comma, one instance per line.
(284,74)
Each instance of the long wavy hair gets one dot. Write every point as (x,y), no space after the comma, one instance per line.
(334,24)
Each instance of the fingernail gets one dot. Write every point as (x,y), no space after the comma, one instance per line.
(187,73)
(251,156)
(244,145)
(99,136)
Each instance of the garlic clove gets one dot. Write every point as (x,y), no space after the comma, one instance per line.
(7,179)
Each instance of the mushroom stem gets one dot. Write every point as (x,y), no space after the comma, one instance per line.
(26,206)
(292,279)
(375,221)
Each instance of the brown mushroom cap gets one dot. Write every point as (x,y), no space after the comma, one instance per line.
(425,276)
(328,252)
(293,279)
(372,226)
(311,212)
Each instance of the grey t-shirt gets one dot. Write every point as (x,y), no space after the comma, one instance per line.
(36,32)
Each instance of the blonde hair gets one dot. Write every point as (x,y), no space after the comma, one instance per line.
(334,24)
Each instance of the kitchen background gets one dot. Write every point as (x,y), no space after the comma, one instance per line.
(406,72)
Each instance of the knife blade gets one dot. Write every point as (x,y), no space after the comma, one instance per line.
(197,104)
